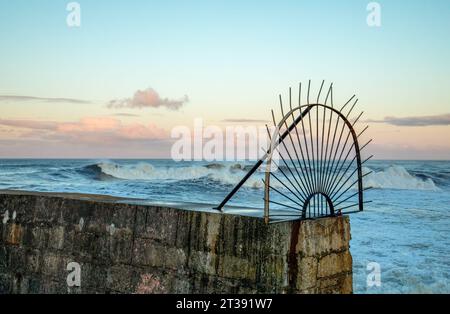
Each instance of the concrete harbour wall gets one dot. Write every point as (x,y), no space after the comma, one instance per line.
(126,248)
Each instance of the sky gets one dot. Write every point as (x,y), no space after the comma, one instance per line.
(116,86)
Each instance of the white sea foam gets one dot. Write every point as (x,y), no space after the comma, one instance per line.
(145,171)
(230,174)
(404,230)
(394,177)
(397,177)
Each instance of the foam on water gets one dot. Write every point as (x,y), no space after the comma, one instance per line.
(397,177)
(394,177)
(224,174)
(405,229)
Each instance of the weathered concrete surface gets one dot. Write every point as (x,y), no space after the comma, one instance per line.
(125,248)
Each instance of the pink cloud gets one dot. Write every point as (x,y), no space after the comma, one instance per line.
(148,98)
(139,131)
(88,130)
(100,124)
(30,124)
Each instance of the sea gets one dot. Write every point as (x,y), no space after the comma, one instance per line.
(400,242)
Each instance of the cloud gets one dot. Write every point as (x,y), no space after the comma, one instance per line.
(123,114)
(43,99)
(244,121)
(111,128)
(88,130)
(30,124)
(147,98)
(443,119)
(90,125)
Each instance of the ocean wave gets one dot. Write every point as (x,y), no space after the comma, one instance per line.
(397,177)
(394,177)
(221,173)
(95,172)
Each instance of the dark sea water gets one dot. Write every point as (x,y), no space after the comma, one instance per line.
(406,228)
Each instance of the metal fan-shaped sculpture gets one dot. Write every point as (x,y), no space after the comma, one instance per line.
(313,165)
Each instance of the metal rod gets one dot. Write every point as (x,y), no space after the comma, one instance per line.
(325,162)
(307,179)
(317,182)
(339,141)
(343,184)
(312,147)
(276,203)
(284,195)
(317,149)
(288,168)
(300,199)
(356,204)
(343,174)
(306,144)
(365,189)
(322,142)
(284,215)
(303,193)
(366,144)
(328,171)
(348,188)
(260,161)
(295,150)
(336,174)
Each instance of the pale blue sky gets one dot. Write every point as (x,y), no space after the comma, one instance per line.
(231,58)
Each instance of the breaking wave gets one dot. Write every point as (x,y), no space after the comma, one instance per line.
(397,177)
(222,173)
(394,177)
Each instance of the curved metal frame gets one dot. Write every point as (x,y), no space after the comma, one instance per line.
(276,141)
(310,197)
(319,184)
